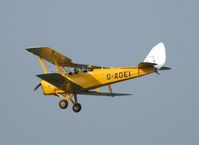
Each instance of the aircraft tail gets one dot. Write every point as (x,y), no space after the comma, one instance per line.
(157,56)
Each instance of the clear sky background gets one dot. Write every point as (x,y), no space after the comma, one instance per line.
(113,33)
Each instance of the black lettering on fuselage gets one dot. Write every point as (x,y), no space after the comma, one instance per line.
(108,76)
(125,74)
(116,76)
(121,74)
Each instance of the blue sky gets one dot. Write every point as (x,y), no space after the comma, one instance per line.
(162,110)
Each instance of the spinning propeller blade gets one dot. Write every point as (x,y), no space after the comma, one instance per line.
(37,86)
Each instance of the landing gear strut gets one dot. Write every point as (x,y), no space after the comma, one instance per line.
(63,104)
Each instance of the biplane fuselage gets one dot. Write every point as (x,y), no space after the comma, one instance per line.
(66,84)
(98,78)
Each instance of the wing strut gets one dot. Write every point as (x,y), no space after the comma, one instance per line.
(42,64)
(110,89)
(98,90)
(57,66)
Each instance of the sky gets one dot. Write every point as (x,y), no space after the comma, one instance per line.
(113,33)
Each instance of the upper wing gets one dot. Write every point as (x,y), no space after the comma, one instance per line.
(49,55)
(61,82)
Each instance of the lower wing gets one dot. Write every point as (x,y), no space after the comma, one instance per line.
(103,93)
(61,82)
(67,85)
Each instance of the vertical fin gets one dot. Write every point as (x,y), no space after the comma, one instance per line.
(157,55)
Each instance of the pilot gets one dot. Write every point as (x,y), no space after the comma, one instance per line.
(90,68)
(76,70)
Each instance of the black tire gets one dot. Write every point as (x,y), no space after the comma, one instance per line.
(77,107)
(63,104)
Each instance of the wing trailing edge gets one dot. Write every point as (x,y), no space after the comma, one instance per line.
(103,94)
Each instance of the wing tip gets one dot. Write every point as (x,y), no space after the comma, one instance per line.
(28,49)
(33,49)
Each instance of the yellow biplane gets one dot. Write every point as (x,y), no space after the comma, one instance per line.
(66,84)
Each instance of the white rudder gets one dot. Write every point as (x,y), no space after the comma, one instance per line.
(157,55)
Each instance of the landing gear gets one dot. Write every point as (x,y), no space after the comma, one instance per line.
(63,104)
(77,107)
(66,98)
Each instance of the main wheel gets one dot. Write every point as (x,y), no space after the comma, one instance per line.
(63,104)
(77,107)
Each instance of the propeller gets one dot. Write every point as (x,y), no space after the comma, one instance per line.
(37,86)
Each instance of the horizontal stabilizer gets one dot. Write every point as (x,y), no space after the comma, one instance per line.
(165,68)
(103,93)
(61,82)
(146,64)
